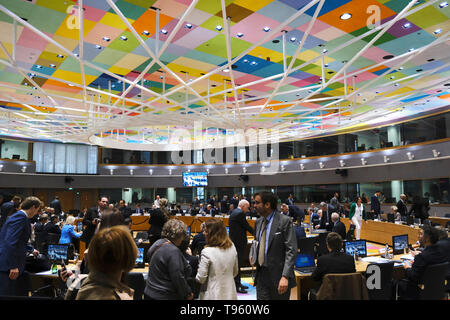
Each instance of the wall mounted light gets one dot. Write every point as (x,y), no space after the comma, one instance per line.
(1,167)
(131,171)
(244,169)
(386,159)
(170,171)
(207,170)
(24,168)
(321,165)
(436,153)
(342,163)
(410,156)
(263,169)
(283,168)
(363,161)
(150,171)
(226,170)
(302,166)
(111,171)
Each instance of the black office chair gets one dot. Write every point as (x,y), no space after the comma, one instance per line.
(53,238)
(432,283)
(40,242)
(137,283)
(350,233)
(386,284)
(322,244)
(307,245)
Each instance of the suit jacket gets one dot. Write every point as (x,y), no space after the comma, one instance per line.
(333,262)
(430,255)
(238,229)
(50,227)
(55,204)
(375,204)
(14,242)
(339,227)
(402,209)
(296,213)
(281,249)
(126,211)
(5,210)
(88,232)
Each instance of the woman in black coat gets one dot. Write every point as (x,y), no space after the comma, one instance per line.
(158,217)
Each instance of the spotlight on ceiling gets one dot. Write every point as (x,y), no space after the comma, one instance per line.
(239,35)
(111,171)
(266,29)
(443,4)
(321,165)
(145,33)
(363,161)
(150,171)
(437,31)
(406,25)
(188,26)
(219,27)
(107,39)
(24,168)
(164,31)
(436,153)
(386,159)
(292,39)
(346,16)
(410,156)
(123,38)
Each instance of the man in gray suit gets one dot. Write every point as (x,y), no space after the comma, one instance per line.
(277,250)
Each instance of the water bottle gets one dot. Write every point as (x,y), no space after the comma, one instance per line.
(386,253)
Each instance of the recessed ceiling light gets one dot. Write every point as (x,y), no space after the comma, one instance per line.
(346,16)
(38,66)
(324,51)
(443,4)
(60,56)
(123,38)
(392,77)
(98,46)
(188,26)
(292,39)
(52,65)
(245,61)
(326,65)
(396,84)
(266,29)
(106,39)
(164,31)
(253,63)
(406,25)
(226,70)
(401,68)
(239,35)
(437,31)
(145,32)
(219,27)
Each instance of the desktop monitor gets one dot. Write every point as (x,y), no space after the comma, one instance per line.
(357,245)
(304,260)
(391,217)
(58,252)
(140,258)
(399,243)
(189,231)
(228,230)
(195,179)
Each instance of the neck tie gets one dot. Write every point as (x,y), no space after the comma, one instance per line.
(262,244)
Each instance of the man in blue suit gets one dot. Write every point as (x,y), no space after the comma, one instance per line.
(375,204)
(14,246)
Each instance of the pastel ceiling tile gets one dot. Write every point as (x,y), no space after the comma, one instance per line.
(147,22)
(195,38)
(130,61)
(99,32)
(28,39)
(171,8)
(427,17)
(329,34)
(198,16)
(375,54)
(92,13)
(113,20)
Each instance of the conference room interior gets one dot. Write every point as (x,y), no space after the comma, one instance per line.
(96,110)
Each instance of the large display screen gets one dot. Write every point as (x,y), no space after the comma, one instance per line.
(195,179)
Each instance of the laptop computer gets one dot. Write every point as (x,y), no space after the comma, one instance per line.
(358,245)
(304,263)
(399,243)
(57,253)
(140,259)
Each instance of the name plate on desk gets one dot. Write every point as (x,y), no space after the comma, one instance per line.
(227,216)
(178,215)
(254,218)
(187,215)
(208,215)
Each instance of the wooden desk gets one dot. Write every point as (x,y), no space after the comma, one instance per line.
(305,282)
(382,232)
(196,221)
(441,220)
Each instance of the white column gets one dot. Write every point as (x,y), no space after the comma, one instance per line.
(397,189)
(171,195)
(393,133)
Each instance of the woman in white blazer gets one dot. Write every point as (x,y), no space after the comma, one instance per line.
(218,264)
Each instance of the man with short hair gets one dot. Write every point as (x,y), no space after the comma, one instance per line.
(9,208)
(14,246)
(92,218)
(277,250)
(335,206)
(326,215)
(335,261)
(156,202)
(401,207)
(124,209)
(238,234)
(338,226)
(224,205)
(375,205)
(428,237)
(56,204)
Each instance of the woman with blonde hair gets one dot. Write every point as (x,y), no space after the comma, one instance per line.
(218,264)
(68,231)
(112,254)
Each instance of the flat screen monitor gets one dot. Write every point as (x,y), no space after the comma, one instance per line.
(58,252)
(304,260)
(195,179)
(140,258)
(228,230)
(399,243)
(189,231)
(391,217)
(357,245)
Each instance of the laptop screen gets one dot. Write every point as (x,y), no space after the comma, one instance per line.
(57,252)
(358,245)
(400,242)
(304,260)
(140,257)
(228,230)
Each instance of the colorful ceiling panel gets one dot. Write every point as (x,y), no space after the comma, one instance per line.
(131,73)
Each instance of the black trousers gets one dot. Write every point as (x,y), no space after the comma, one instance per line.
(9,287)
(266,290)
(240,254)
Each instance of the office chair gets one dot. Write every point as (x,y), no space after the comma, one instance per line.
(341,286)
(307,245)
(385,292)
(53,238)
(137,283)
(432,283)
(351,233)
(39,241)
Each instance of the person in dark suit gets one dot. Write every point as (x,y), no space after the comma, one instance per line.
(56,204)
(14,246)
(321,221)
(290,200)
(92,218)
(299,231)
(401,206)
(210,210)
(224,205)
(9,208)
(428,237)
(338,225)
(420,208)
(124,209)
(335,261)
(277,250)
(375,206)
(51,226)
(234,201)
(158,217)
(292,211)
(326,215)
(198,242)
(239,227)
